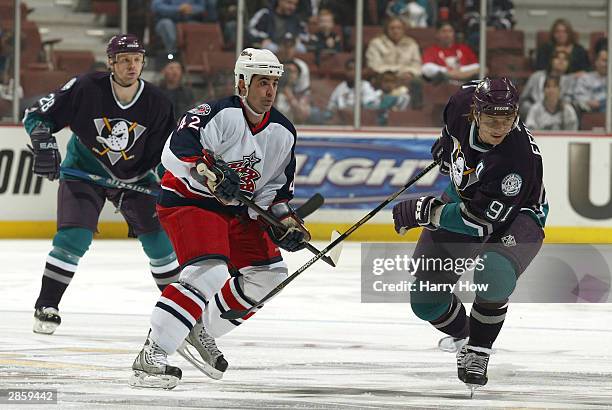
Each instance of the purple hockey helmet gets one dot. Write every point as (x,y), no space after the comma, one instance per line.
(496,96)
(124,43)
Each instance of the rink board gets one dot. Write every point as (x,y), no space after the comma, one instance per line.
(355,171)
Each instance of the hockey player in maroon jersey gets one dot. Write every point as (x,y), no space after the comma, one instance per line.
(120,123)
(494,207)
(228,258)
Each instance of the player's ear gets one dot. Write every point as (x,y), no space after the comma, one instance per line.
(241,87)
(109,64)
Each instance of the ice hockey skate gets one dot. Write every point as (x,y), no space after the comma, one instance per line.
(151,368)
(211,361)
(46,320)
(451,344)
(472,362)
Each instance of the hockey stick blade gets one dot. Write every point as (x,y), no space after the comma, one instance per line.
(311,205)
(334,254)
(236,314)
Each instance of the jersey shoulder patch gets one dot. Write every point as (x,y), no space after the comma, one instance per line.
(202,109)
(511,184)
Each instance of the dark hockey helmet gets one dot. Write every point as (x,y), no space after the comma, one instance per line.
(124,43)
(496,96)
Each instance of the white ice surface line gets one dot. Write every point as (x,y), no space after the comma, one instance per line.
(315,345)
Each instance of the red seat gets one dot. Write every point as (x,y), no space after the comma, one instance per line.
(438,94)
(592,120)
(425,36)
(542,38)
(412,118)
(107,7)
(73,62)
(369,118)
(41,82)
(369,32)
(193,39)
(371,7)
(593,38)
(215,61)
(309,59)
(31,45)
(506,41)
(332,65)
(511,65)
(6,108)
(7,9)
(320,91)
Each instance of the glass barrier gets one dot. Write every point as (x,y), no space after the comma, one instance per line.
(415,56)
(558,58)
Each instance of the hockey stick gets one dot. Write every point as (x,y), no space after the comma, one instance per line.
(311,205)
(237,314)
(108,182)
(272,220)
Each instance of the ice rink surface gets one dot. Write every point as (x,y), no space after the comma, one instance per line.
(314,346)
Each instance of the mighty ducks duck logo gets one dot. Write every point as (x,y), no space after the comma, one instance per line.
(246,169)
(463,175)
(117,137)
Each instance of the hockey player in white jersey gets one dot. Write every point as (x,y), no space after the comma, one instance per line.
(229,258)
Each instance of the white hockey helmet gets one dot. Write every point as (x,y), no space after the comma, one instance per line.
(256,61)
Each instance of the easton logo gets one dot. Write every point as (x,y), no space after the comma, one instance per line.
(246,169)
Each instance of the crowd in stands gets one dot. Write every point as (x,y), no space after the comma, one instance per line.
(416,53)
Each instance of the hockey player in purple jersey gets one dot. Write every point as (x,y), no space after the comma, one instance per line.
(494,208)
(120,124)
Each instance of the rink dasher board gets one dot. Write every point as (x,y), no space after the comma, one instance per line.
(354,170)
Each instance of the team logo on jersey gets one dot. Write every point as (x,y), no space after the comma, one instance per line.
(508,241)
(511,184)
(246,169)
(117,137)
(202,109)
(462,175)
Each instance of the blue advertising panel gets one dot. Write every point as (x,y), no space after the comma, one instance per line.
(360,172)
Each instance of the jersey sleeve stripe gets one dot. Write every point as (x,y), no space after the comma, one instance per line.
(484,228)
(285,192)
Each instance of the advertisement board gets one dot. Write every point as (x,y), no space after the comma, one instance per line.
(354,171)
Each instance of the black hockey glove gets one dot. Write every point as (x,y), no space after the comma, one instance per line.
(415,212)
(222,181)
(441,153)
(47,157)
(295,234)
